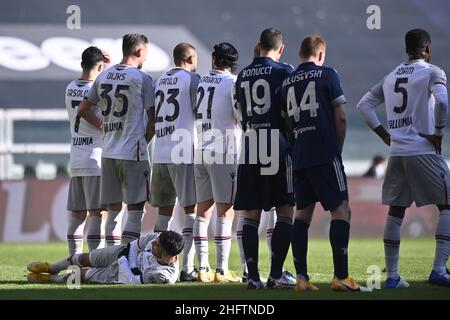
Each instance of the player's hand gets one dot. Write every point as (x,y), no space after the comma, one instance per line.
(435,140)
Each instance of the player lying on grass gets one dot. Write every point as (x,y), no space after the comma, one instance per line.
(148,259)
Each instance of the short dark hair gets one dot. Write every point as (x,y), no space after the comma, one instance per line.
(172,242)
(271,39)
(416,40)
(181,52)
(225,55)
(310,45)
(91,57)
(131,41)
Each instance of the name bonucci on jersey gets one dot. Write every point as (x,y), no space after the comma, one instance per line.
(216,126)
(175,98)
(407,93)
(123,93)
(86,140)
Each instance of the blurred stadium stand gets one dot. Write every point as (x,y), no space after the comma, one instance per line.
(361,56)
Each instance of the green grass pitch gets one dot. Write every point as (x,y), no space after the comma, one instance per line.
(415,264)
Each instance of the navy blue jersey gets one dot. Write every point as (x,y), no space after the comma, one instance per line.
(258,95)
(309,95)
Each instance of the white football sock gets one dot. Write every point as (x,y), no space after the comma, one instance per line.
(201,241)
(75,230)
(162,224)
(271,221)
(223,242)
(94,232)
(57,267)
(442,242)
(240,225)
(392,245)
(113,228)
(189,249)
(132,229)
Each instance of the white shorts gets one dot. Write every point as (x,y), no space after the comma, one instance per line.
(104,264)
(424,179)
(124,181)
(216,182)
(84,193)
(171,181)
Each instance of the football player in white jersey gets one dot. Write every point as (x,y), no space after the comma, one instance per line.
(125,95)
(85,158)
(149,259)
(216,162)
(416,100)
(173,146)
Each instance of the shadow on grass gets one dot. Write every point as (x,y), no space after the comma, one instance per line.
(197,291)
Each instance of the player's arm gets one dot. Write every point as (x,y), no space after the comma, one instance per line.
(341,124)
(338,101)
(148,94)
(366,107)
(438,87)
(85,110)
(195,79)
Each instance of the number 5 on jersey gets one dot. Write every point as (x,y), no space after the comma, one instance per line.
(307,103)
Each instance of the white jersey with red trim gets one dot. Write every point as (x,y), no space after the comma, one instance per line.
(86,140)
(175,95)
(124,93)
(215,121)
(407,93)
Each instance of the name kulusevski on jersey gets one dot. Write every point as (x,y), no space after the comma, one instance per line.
(310,94)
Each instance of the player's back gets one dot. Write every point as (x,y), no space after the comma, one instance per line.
(175,94)
(214,116)
(124,92)
(310,93)
(86,140)
(410,106)
(257,91)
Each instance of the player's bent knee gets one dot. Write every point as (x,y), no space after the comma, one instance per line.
(80,215)
(397,212)
(137,206)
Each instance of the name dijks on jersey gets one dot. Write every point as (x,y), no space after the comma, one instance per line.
(116,76)
(112,126)
(203,127)
(258,71)
(304,75)
(404,71)
(400,123)
(162,132)
(76,93)
(82,141)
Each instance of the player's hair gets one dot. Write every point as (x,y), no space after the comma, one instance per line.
(225,55)
(181,52)
(171,242)
(416,40)
(91,57)
(131,41)
(271,39)
(311,45)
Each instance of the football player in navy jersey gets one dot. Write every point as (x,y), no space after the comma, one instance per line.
(257,95)
(314,102)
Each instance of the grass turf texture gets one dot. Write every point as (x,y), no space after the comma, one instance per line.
(415,265)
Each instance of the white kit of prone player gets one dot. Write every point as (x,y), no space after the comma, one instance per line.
(216,162)
(85,158)
(172,149)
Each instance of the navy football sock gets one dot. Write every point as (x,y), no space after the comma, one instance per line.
(281,239)
(339,237)
(250,242)
(300,247)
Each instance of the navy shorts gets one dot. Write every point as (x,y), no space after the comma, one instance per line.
(325,183)
(263,192)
